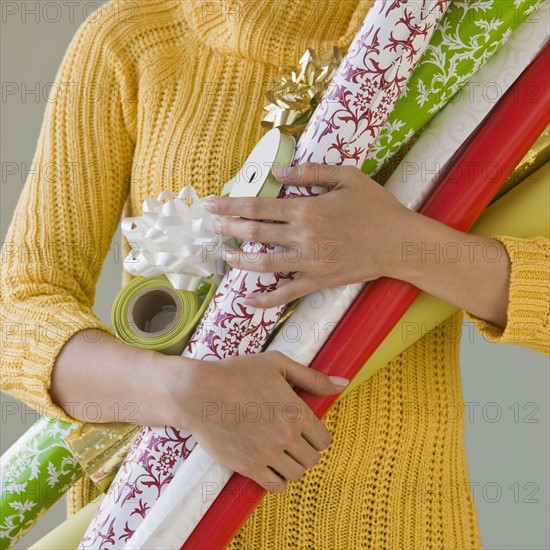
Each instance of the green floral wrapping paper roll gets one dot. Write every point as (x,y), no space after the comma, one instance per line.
(40,467)
(36,471)
(468,35)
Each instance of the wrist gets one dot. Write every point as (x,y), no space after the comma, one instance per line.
(180,386)
(404,256)
(420,250)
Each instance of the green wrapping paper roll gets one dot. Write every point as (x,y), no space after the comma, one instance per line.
(149,313)
(36,471)
(468,35)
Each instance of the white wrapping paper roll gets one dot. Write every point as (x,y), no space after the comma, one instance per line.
(196,484)
(415,177)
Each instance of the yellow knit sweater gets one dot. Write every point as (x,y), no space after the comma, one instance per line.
(156,94)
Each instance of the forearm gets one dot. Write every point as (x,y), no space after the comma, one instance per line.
(469,271)
(172,391)
(102,379)
(371,234)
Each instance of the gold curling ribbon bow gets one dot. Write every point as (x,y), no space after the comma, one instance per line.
(298,90)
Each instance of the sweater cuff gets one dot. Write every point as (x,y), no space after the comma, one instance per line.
(528,311)
(40,358)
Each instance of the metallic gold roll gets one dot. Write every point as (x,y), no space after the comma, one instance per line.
(101,448)
(537,156)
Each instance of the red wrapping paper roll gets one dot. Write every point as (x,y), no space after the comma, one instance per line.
(469,182)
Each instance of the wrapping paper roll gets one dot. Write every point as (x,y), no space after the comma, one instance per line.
(414,179)
(101,448)
(37,470)
(468,36)
(537,156)
(67,535)
(184,502)
(367,84)
(145,472)
(457,202)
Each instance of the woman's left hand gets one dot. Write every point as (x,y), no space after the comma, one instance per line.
(353,233)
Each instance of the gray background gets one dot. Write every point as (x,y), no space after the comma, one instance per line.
(506,387)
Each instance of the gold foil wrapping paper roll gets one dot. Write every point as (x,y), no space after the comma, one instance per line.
(537,156)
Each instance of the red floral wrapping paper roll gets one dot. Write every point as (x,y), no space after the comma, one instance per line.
(369,81)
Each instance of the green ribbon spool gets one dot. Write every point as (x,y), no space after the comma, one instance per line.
(150,313)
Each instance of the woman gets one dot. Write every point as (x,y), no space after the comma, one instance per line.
(157,94)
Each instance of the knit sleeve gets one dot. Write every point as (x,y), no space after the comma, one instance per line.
(528,313)
(67,212)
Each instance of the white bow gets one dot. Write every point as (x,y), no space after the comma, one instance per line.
(174,236)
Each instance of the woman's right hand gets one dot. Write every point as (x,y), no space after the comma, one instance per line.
(245,414)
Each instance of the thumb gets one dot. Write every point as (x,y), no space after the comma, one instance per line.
(313,381)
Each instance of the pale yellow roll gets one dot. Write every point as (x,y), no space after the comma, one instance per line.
(68,535)
(524,211)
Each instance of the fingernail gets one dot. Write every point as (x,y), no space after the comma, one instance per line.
(217,224)
(339,381)
(280,171)
(210,205)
